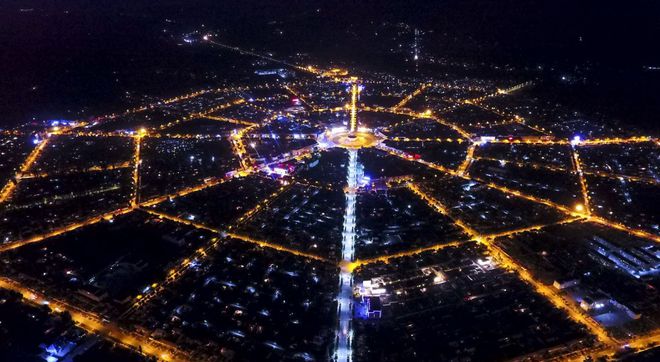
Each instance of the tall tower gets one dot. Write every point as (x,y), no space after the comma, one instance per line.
(355,90)
(416,50)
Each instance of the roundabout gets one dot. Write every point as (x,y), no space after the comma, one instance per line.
(344,138)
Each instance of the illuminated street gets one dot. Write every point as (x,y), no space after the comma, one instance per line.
(255,198)
(343,349)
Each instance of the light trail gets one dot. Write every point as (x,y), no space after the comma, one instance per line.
(513,118)
(154,105)
(32,157)
(12,132)
(201,254)
(344,333)
(94,324)
(348,263)
(100,134)
(525,196)
(615,176)
(412,95)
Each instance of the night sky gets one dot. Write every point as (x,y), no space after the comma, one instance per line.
(75,57)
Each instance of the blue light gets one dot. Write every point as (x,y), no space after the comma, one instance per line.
(576,140)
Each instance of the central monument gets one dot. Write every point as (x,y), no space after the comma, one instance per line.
(351,137)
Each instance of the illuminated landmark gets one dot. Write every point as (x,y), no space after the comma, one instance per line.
(273,222)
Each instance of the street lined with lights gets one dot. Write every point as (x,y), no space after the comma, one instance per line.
(352,138)
(11,185)
(577,211)
(94,324)
(412,95)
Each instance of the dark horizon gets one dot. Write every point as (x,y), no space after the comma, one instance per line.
(82,61)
